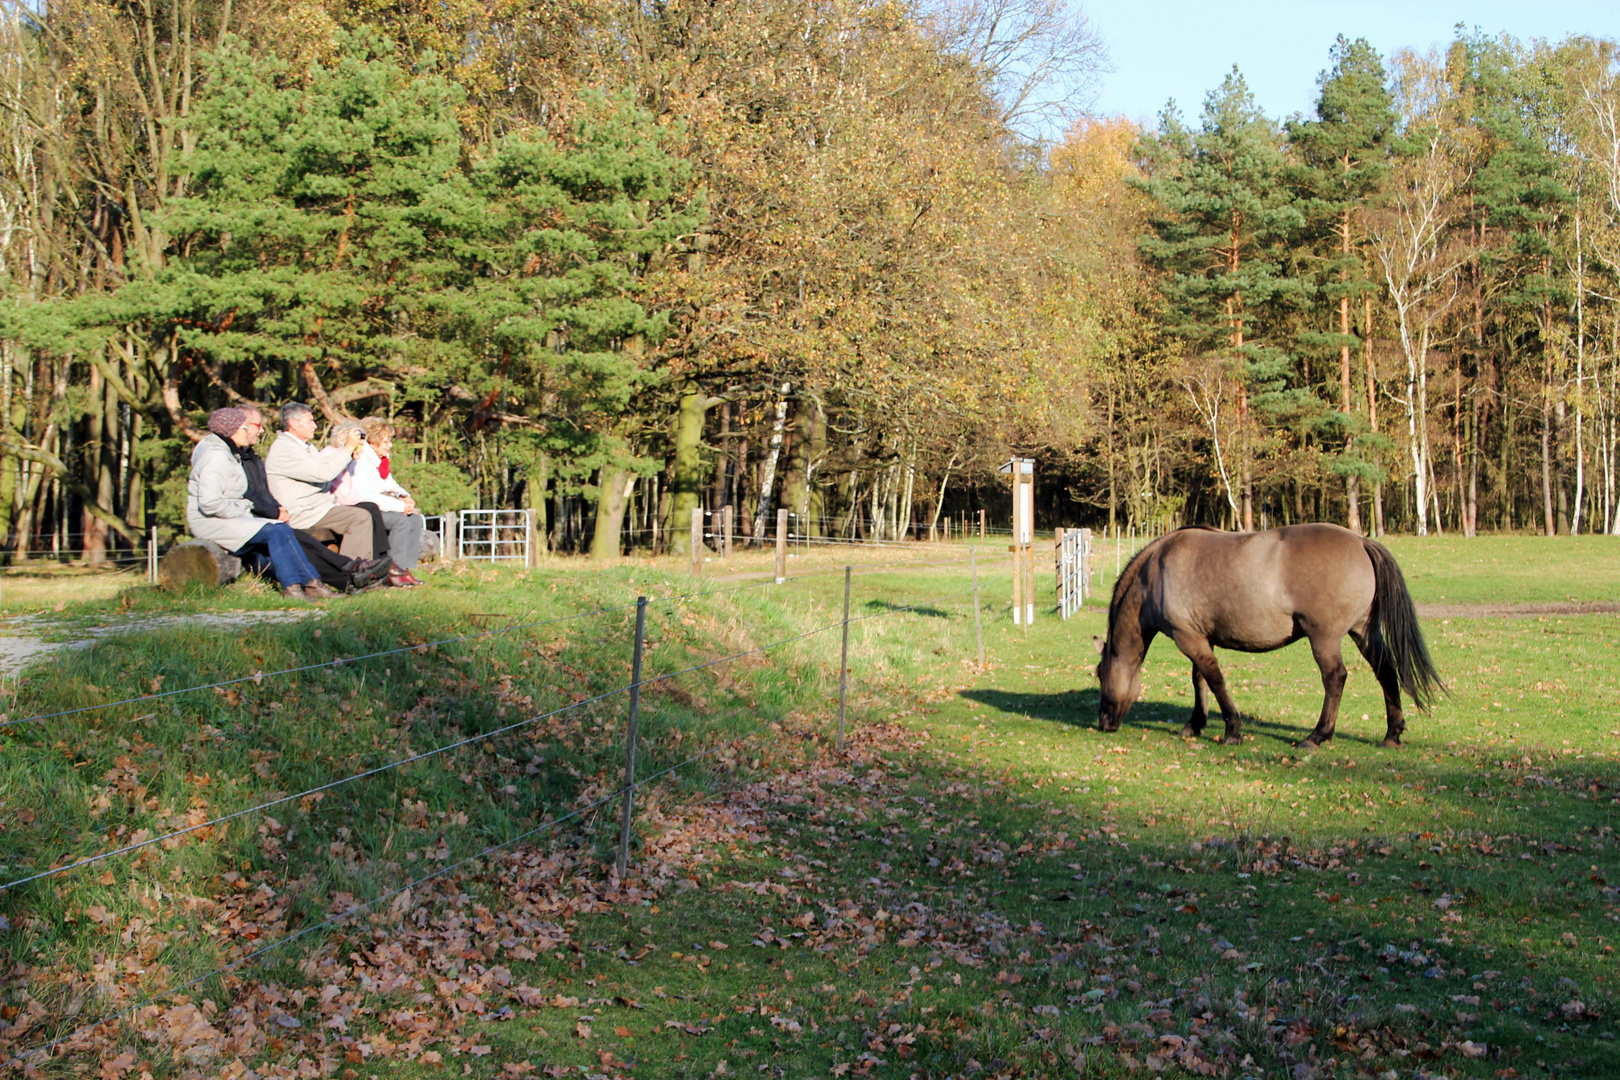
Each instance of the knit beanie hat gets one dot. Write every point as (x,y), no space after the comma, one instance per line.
(224,422)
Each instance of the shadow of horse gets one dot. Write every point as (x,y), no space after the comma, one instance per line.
(1078,708)
(923,610)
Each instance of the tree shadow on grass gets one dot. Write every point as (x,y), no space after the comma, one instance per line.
(924,610)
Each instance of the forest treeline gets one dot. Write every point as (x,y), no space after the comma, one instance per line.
(617,262)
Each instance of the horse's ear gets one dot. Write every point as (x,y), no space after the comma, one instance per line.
(1099,643)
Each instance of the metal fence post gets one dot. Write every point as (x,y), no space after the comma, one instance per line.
(978,620)
(630,739)
(781,546)
(843,664)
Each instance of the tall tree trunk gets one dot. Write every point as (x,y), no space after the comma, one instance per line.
(1580,368)
(939,503)
(719,490)
(1352,489)
(92,531)
(815,508)
(612,495)
(740,477)
(797,466)
(1372,413)
(1113,496)
(1548,523)
(903,519)
(767,479)
(686,476)
(1547,432)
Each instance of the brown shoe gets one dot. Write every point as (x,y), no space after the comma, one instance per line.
(401,579)
(320,590)
(295,593)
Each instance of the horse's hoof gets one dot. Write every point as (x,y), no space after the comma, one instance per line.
(1310,742)
(1391,743)
(1190,732)
(1231,740)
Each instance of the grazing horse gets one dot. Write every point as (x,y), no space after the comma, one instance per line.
(1255,592)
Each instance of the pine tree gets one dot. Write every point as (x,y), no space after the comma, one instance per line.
(1345,156)
(337,233)
(1225,220)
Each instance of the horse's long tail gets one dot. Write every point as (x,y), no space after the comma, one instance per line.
(1394,638)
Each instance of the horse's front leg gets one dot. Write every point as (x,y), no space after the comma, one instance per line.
(1200,713)
(1330,661)
(1196,647)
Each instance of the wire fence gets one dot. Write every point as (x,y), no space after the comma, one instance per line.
(624,791)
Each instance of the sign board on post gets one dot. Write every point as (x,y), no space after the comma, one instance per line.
(1021,471)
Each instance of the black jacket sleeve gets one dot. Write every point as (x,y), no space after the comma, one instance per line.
(264,504)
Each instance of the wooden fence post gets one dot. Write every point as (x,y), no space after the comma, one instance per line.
(781,546)
(630,738)
(728,522)
(843,663)
(1057,561)
(697,540)
(981,526)
(978,619)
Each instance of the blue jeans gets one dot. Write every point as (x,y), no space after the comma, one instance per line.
(287,560)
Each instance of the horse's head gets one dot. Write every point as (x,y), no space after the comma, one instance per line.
(1120,684)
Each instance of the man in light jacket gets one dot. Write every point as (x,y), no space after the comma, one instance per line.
(301,480)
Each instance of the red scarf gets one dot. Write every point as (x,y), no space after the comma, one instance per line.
(382,468)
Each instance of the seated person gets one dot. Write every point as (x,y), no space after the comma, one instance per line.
(300,479)
(217,509)
(338,571)
(366,480)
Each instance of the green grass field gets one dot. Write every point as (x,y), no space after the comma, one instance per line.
(983,885)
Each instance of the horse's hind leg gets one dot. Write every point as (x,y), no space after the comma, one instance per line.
(1330,660)
(1394,718)
(1200,713)
(1196,648)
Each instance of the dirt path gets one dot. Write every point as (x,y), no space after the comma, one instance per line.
(1518,611)
(22,640)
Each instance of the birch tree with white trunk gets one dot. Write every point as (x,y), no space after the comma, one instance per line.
(1412,239)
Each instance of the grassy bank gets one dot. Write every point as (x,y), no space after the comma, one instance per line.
(984,885)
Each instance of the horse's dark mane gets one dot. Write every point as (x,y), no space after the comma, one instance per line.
(1131,568)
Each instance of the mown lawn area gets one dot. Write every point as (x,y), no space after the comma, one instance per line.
(981,885)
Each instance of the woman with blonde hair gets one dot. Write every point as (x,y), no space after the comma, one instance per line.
(368,480)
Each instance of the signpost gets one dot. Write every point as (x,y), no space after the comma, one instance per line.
(1022,473)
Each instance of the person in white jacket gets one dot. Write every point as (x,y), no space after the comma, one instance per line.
(368,480)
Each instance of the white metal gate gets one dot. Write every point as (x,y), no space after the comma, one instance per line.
(1074,570)
(493,535)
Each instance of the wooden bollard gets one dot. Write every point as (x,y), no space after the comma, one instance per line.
(781,546)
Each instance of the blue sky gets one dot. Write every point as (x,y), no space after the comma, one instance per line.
(1175,48)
